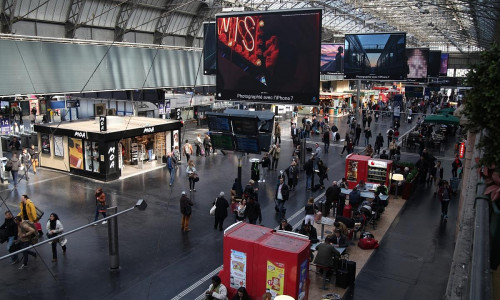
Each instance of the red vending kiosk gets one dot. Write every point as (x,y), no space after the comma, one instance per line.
(241,248)
(371,170)
(282,266)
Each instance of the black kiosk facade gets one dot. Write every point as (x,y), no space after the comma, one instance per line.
(101,148)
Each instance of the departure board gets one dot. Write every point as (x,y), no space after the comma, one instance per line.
(218,122)
(222,141)
(245,125)
(247,144)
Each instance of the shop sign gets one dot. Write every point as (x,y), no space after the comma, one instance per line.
(111,158)
(103,124)
(5,123)
(461,150)
(80,134)
(149,130)
(377,164)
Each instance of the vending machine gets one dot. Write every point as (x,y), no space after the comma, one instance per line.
(370,170)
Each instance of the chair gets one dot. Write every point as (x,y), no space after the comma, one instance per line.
(325,270)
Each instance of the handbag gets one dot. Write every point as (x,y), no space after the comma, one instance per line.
(39,213)
(196,178)
(51,235)
(212,210)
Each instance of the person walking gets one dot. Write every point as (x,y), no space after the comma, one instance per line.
(150,148)
(221,206)
(185,205)
(379,142)
(100,206)
(253,211)
(54,228)
(207,144)
(281,196)
(191,173)
(198,144)
(25,161)
(277,133)
(14,164)
(265,163)
(187,150)
(171,167)
(34,157)
(390,134)
(293,175)
(368,135)
(326,139)
(27,236)
(444,195)
(369,119)
(358,135)
(346,143)
(27,210)
(10,227)
(455,165)
(275,156)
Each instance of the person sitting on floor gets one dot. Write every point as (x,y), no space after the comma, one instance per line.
(285,226)
(341,226)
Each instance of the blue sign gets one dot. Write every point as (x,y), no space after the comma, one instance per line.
(5,126)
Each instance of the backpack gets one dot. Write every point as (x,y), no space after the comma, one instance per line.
(8,166)
(368,243)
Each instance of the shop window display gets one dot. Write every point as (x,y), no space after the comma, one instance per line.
(92,157)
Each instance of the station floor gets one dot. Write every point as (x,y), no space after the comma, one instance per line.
(159,261)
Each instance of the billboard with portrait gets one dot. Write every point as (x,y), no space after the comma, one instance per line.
(332,59)
(417,59)
(375,56)
(271,56)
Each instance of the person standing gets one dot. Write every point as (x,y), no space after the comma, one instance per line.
(277,134)
(358,135)
(369,119)
(25,160)
(15,164)
(455,165)
(150,147)
(368,135)
(27,236)
(265,163)
(187,150)
(171,167)
(326,139)
(9,225)
(293,175)
(346,143)
(198,144)
(253,211)
(332,195)
(54,228)
(191,173)
(221,206)
(185,204)
(379,142)
(281,196)
(444,195)
(207,144)
(275,156)
(27,210)
(34,157)
(101,206)
(317,155)
(216,290)
(14,145)
(309,168)
(390,133)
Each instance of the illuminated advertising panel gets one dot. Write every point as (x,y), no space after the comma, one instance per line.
(375,56)
(434,63)
(417,60)
(443,68)
(269,56)
(209,49)
(332,59)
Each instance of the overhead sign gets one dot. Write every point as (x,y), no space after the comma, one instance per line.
(72,103)
(377,164)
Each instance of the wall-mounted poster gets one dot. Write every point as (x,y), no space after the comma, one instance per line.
(302,281)
(58,146)
(275,279)
(176,138)
(75,153)
(238,274)
(45,144)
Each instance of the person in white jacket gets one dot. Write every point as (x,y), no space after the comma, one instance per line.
(54,228)
(216,290)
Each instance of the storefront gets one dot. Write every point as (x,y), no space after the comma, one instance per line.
(101,150)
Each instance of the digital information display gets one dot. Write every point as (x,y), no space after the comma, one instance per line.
(417,60)
(443,69)
(209,49)
(248,144)
(245,125)
(375,56)
(434,64)
(271,56)
(222,141)
(218,122)
(332,59)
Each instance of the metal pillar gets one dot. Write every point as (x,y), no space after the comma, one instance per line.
(358,94)
(114,253)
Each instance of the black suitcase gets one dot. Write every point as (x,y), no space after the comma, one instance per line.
(342,279)
(351,271)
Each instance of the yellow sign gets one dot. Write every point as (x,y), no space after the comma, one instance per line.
(275,279)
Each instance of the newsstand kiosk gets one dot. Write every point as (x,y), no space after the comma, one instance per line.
(370,170)
(261,259)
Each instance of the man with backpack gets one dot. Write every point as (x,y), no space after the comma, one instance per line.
(187,149)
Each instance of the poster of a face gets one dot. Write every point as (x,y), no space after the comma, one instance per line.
(176,138)
(75,153)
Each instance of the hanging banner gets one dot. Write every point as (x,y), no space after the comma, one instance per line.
(238,275)
(275,279)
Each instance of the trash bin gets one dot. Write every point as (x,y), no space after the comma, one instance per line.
(255,172)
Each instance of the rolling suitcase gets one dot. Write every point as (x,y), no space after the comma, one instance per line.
(342,277)
(454,181)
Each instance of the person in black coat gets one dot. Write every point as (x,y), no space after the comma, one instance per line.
(253,211)
(10,228)
(332,196)
(310,232)
(309,168)
(221,206)
(293,175)
(338,239)
(284,225)
(281,196)
(379,142)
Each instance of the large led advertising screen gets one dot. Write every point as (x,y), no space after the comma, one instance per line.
(269,56)
(434,64)
(332,59)
(209,49)
(417,59)
(443,67)
(375,56)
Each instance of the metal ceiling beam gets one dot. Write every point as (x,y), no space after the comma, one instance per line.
(202,14)
(7,15)
(73,17)
(163,23)
(124,13)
